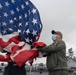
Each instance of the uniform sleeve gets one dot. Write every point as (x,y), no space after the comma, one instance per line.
(53,48)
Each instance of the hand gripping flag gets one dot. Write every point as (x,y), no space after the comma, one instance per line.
(20,27)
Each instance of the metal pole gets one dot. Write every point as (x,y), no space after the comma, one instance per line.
(30,69)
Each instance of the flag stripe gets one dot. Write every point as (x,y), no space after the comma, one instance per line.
(20,28)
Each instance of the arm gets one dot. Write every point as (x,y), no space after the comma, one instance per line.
(53,48)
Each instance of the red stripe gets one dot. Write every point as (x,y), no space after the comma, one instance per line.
(15,39)
(5,59)
(24,56)
(15,48)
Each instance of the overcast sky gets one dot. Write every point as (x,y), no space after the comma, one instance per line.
(59,15)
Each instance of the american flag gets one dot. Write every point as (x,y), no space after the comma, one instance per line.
(20,27)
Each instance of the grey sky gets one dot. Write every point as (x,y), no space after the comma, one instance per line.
(59,15)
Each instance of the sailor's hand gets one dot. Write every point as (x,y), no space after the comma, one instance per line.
(34,48)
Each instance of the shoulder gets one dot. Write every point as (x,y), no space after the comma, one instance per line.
(61,41)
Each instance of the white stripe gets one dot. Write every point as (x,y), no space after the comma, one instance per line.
(40,55)
(9,47)
(0,35)
(3,54)
(5,38)
(26,47)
